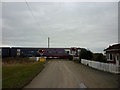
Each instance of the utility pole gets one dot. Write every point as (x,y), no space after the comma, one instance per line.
(48,42)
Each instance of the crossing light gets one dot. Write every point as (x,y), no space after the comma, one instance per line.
(41,51)
(74,49)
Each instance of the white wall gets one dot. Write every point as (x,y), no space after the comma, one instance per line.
(113,68)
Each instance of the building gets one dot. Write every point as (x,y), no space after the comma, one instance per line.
(113,54)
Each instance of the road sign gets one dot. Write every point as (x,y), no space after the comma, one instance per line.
(41,51)
(42,59)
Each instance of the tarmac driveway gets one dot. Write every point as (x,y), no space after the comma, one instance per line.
(68,74)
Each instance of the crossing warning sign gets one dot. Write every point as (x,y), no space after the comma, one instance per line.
(42,59)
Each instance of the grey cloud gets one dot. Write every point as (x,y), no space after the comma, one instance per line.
(92,25)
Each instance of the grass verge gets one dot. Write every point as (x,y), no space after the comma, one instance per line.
(18,75)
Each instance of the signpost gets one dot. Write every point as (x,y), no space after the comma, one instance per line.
(41,51)
(74,52)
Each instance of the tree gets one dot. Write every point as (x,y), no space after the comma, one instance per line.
(85,54)
(99,57)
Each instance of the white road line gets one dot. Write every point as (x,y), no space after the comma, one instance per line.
(48,61)
(82,85)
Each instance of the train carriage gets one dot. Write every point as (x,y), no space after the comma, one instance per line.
(48,52)
(55,53)
(5,51)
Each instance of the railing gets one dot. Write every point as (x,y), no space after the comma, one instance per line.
(113,68)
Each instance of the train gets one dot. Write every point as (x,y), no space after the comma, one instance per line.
(35,52)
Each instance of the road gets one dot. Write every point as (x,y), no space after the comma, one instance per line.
(69,74)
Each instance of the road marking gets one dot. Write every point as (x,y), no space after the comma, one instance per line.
(82,85)
(48,61)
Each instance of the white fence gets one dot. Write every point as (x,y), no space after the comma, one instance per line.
(113,68)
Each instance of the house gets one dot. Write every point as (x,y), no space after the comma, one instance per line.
(113,54)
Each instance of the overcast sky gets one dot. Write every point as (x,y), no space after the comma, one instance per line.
(68,24)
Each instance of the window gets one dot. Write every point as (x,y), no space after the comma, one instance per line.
(32,51)
(59,52)
(117,57)
(50,52)
(107,56)
(29,52)
(110,56)
(45,52)
(18,52)
(67,52)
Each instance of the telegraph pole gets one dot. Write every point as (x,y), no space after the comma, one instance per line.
(48,42)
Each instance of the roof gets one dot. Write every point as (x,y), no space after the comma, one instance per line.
(114,47)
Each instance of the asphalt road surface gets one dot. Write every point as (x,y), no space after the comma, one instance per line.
(69,74)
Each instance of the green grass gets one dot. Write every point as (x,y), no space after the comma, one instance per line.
(18,75)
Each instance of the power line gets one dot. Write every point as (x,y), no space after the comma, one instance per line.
(33,15)
(31,12)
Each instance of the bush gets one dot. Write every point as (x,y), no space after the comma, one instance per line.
(70,57)
(12,60)
(99,57)
(85,54)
